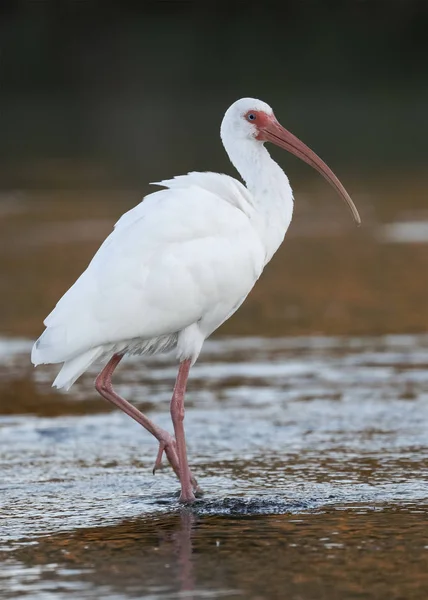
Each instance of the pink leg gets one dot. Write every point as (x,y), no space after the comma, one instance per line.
(167,443)
(177,414)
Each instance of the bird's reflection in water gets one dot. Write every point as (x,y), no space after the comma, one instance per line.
(177,543)
(183,548)
(149,554)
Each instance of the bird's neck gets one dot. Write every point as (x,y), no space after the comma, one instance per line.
(269,187)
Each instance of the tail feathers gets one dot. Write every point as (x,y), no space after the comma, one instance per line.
(51,347)
(73,369)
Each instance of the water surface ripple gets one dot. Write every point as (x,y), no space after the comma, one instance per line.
(311,451)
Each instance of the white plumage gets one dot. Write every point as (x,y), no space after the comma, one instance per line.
(174,268)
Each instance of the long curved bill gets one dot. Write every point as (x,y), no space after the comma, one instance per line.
(275,133)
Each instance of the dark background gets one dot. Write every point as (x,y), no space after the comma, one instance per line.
(100,93)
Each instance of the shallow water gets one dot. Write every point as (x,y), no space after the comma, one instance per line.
(311,452)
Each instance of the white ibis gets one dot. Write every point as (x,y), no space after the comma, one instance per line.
(177,266)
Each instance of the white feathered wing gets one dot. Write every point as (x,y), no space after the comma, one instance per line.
(185,255)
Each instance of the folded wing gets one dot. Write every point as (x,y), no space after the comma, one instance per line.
(171,261)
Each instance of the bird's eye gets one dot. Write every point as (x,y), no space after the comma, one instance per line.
(251,117)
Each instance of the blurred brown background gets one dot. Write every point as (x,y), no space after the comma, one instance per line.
(100,98)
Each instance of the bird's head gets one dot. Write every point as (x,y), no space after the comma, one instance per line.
(251,119)
(246,118)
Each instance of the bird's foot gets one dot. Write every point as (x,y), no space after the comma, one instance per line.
(168,445)
(158,462)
